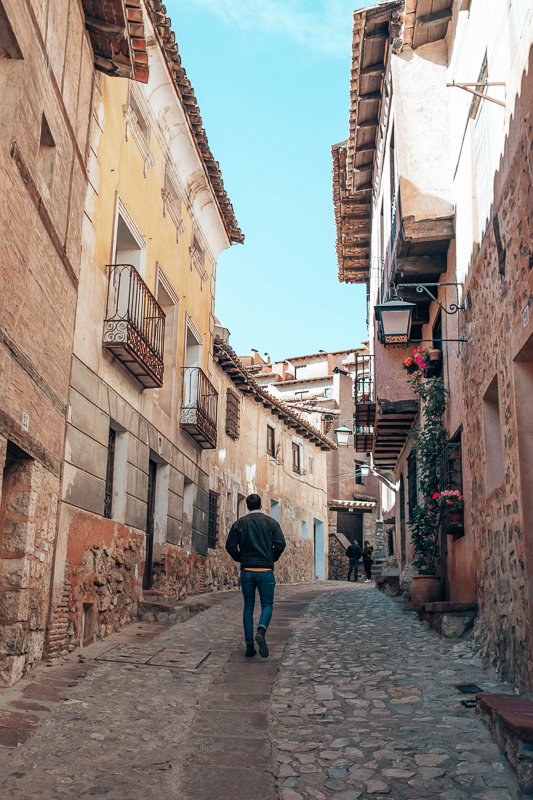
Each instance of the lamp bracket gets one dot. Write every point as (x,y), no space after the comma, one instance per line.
(423,288)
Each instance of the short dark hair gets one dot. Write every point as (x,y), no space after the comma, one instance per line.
(253,502)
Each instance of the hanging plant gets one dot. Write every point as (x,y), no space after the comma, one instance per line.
(430,439)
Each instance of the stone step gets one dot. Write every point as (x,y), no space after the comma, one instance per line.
(155,607)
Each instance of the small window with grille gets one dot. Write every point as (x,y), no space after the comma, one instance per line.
(233,413)
(296,458)
(212,531)
(271,441)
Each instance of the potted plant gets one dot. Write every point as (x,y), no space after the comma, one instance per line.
(452,501)
(424,519)
(417,362)
(434,354)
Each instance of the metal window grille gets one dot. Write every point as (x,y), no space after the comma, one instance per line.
(233,412)
(450,475)
(271,441)
(108,496)
(412,481)
(212,530)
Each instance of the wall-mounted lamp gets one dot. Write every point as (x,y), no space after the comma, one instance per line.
(394,318)
(342,435)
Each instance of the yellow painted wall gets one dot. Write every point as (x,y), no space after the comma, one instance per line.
(122,173)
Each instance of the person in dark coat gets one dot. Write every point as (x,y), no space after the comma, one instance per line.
(354,553)
(368,560)
(256,541)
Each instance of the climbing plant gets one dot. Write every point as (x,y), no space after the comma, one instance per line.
(430,439)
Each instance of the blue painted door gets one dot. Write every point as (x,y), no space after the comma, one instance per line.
(320,562)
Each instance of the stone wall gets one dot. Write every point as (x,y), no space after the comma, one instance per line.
(338,562)
(500,344)
(27,522)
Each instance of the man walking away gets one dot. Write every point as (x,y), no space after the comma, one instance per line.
(256,541)
(354,553)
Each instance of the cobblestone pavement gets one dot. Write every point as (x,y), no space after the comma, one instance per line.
(357,700)
(366,706)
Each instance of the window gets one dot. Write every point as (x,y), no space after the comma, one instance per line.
(297,458)
(130,247)
(494,473)
(212,531)
(197,254)
(233,411)
(412,481)
(298,371)
(47,152)
(304,529)
(311,465)
(172,201)
(359,474)
(275,510)
(110,469)
(168,300)
(138,126)
(271,441)
(115,479)
(450,475)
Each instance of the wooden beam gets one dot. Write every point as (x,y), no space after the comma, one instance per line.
(373,69)
(438,18)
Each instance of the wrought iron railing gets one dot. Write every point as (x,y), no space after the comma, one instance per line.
(365,406)
(364,379)
(134,327)
(198,414)
(450,476)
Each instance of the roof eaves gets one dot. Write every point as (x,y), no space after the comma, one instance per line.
(185,91)
(230,363)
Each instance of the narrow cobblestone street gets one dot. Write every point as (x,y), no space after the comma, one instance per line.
(357,700)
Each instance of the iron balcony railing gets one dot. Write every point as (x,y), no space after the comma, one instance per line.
(134,328)
(198,414)
(365,406)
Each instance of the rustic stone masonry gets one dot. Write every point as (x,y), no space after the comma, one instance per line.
(337,561)
(499,344)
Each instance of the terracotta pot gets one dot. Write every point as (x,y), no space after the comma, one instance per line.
(434,354)
(425,589)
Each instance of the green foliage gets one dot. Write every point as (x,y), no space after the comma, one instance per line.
(430,439)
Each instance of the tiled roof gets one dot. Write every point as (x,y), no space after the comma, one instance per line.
(362,505)
(116,31)
(182,84)
(229,361)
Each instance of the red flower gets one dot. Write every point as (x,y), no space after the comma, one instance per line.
(436,495)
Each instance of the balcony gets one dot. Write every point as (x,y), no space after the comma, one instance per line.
(365,403)
(198,415)
(134,328)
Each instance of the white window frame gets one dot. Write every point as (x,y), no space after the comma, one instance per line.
(132,127)
(122,211)
(172,200)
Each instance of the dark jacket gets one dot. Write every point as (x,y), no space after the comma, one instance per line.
(354,551)
(255,540)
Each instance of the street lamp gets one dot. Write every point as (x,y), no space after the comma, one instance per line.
(394,320)
(342,435)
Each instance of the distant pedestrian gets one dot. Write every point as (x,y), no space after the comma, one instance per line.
(256,541)
(354,553)
(368,560)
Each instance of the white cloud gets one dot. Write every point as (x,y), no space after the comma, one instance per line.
(323,26)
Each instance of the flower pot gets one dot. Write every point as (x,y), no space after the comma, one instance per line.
(425,589)
(456,515)
(434,354)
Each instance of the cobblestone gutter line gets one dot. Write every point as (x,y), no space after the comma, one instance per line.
(366,706)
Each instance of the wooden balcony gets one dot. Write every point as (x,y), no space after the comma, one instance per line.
(134,328)
(198,414)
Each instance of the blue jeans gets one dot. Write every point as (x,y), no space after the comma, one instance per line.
(264,582)
(354,566)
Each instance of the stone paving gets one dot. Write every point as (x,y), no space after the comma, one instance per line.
(356,700)
(366,706)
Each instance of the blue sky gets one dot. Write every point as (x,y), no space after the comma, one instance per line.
(272,82)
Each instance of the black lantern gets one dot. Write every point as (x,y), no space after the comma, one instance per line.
(394,321)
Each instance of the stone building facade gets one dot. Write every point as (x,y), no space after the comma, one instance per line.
(322,386)
(47,60)
(433,188)
(259,437)
(142,414)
